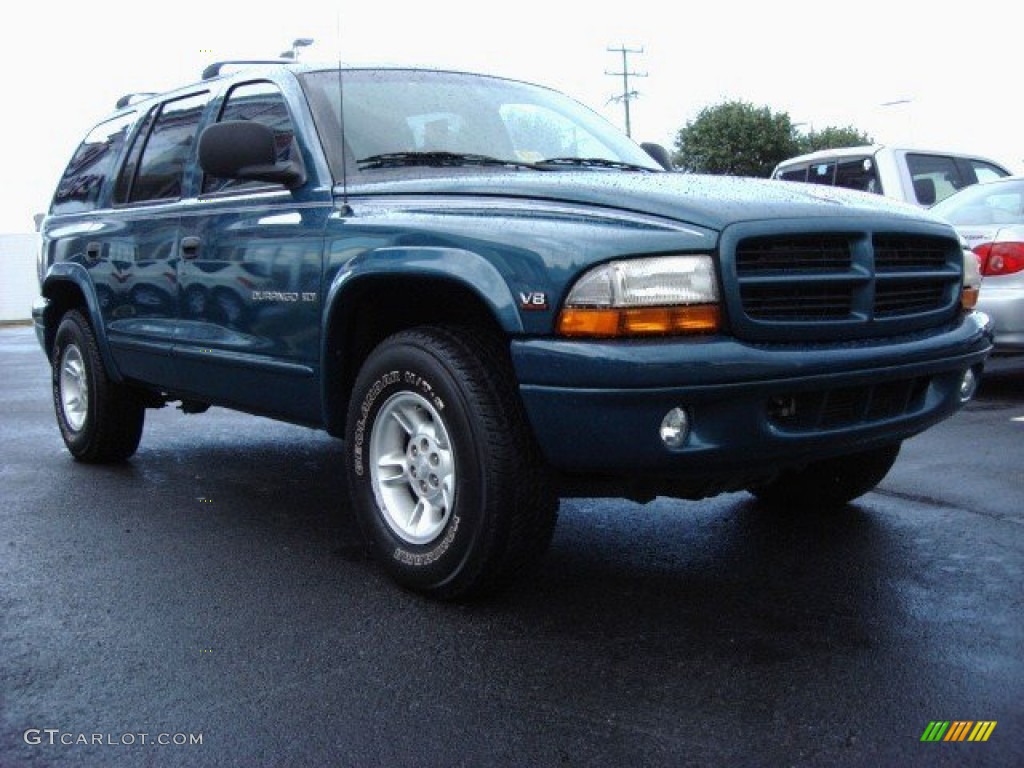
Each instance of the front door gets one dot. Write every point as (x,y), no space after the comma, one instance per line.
(249,280)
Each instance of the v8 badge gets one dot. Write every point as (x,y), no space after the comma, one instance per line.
(533,300)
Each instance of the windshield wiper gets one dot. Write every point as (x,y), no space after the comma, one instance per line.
(594,162)
(436,159)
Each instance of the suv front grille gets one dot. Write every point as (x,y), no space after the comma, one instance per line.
(892,300)
(844,285)
(908,252)
(810,302)
(800,252)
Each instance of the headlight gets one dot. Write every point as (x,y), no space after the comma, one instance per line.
(972,276)
(641,297)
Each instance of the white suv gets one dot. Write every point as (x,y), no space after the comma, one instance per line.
(920,177)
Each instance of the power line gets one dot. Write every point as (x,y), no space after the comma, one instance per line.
(627,95)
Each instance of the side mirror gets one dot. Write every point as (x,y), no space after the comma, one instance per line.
(242,149)
(659,154)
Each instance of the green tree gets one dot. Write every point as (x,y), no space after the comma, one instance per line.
(833,138)
(735,138)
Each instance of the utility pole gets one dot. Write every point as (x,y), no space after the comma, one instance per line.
(627,95)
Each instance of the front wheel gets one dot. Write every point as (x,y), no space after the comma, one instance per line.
(445,478)
(99,419)
(829,483)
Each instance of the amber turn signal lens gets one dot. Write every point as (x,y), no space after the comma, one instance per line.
(645,321)
(969,298)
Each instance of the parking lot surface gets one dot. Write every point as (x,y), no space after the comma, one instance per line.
(216,587)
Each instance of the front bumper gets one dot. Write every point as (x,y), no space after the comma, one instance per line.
(597,407)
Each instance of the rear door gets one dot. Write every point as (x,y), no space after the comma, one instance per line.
(145,246)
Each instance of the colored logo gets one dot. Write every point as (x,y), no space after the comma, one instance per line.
(958,730)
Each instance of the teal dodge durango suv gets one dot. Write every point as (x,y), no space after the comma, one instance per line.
(496,299)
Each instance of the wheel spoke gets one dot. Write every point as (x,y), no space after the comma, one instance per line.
(392,467)
(447,494)
(409,418)
(416,517)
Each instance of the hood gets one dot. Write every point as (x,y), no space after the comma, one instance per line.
(712,202)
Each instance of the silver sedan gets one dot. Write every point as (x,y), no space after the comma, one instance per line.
(990,216)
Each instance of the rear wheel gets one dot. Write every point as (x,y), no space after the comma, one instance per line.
(444,476)
(829,483)
(99,419)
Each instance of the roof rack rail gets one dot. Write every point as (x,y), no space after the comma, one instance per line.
(131,98)
(214,69)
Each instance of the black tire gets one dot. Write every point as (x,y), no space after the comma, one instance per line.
(105,423)
(830,483)
(488,513)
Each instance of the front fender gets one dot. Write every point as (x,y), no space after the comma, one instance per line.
(456,265)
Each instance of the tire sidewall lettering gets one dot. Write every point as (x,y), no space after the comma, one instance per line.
(365,408)
(414,381)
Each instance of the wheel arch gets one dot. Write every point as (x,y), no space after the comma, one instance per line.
(67,287)
(370,307)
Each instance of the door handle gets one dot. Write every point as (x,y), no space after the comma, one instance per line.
(190,247)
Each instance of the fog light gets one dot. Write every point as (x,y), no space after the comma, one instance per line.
(675,428)
(968,385)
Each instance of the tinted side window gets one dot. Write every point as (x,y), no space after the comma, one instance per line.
(126,177)
(261,103)
(935,177)
(167,150)
(858,173)
(92,163)
(793,174)
(822,173)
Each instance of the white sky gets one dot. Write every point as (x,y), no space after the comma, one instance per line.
(66,63)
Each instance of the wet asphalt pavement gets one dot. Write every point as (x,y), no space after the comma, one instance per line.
(215,586)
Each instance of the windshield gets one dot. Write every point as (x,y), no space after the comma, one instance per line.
(413,117)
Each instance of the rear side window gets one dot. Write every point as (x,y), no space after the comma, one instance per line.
(935,177)
(858,173)
(167,149)
(262,103)
(92,164)
(822,173)
(126,177)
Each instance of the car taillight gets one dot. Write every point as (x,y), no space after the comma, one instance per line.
(1000,258)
